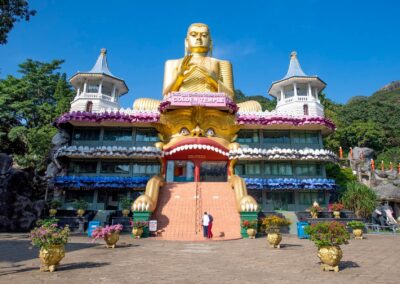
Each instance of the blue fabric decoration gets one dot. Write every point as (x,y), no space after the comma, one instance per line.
(101,181)
(290,183)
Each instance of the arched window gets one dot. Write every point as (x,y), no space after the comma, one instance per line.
(89,106)
(305,109)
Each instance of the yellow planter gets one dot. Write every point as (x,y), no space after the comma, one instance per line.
(330,258)
(80,212)
(358,234)
(336,214)
(52,212)
(137,232)
(51,257)
(314,215)
(251,233)
(125,212)
(274,239)
(111,239)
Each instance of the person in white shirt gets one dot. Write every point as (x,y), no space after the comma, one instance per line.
(206,222)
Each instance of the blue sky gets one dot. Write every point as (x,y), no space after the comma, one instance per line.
(354,46)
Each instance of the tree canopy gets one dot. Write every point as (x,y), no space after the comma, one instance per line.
(12,11)
(29,105)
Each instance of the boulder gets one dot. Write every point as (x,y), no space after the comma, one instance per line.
(61,138)
(368,153)
(5,163)
(387,191)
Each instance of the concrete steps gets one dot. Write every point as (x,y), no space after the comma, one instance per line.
(176,212)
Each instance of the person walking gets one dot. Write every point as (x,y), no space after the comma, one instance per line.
(206,222)
(209,230)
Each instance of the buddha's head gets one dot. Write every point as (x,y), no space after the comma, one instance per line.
(198,39)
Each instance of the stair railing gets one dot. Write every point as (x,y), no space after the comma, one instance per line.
(198,216)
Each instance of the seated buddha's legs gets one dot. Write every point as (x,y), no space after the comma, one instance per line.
(145,104)
(245,202)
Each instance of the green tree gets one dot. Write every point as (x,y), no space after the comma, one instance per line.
(266,104)
(360,199)
(12,11)
(30,105)
(390,155)
(342,176)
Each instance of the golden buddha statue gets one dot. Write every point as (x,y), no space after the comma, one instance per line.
(197,71)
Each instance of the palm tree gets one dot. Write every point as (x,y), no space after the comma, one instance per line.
(359,198)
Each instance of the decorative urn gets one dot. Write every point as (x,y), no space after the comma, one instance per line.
(50,257)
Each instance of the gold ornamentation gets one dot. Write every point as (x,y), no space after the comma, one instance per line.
(330,258)
(137,232)
(250,106)
(336,214)
(80,212)
(358,234)
(252,233)
(51,257)
(125,212)
(274,240)
(52,212)
(148,201)
(111,239)
(244,202)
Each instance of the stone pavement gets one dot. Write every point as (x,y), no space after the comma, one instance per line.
(373,260)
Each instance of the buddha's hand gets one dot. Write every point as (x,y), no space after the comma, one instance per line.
(248,204)
(142,203)
(184,65)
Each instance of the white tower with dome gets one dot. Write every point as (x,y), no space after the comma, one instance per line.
(98,88)
(297,93)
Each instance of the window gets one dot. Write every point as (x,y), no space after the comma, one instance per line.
(308,170)
(89,106)
(276,137)
(72,195)
(278,169)
(106,88)
(92,87)
(239,169)
(300,137)
(146,169)
(305,109)
(114,168)
(83,167)
(146,135)
(253,169)
(119,135)
(301,89)
(86,134)
(248,137)
(308,198)
(289,91)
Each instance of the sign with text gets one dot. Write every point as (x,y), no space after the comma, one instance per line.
(152,225)
(198,99)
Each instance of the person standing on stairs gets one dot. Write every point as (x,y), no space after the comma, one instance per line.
(209,231)
(206,222)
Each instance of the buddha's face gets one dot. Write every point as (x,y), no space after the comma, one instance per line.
(198,39)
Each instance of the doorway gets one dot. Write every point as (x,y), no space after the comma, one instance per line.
(281,200)
(180,171)
(213,171)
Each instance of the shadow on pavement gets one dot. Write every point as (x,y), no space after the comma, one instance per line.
(14,269)
(81,265)
(347,264)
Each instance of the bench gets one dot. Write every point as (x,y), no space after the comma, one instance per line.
(378,228)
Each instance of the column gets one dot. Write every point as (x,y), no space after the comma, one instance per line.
(309,93)
(100,86)
(316,94)
(295,91)
(94,201)
(113,93)
(282,95)
(85,86)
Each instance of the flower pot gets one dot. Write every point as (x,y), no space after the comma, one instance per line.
(111,239)
(274,239)
(126,212)
(330,258)
(80,212)
(251,233)
(52,212)
(314,215)
(358,234)
(336,214)
(51,257)
(137,232)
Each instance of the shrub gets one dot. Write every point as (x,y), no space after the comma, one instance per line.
(140,224)
(337,207)
(356,225)
(325,234)
(101,232)
(360,199)
(273,223)
(48,233)
(125,202)
(55,204)
(80,204)
(249,224)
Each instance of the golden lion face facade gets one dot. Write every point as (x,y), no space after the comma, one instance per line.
(195,133)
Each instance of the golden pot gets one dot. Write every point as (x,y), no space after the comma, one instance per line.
(52,212)
(314,215)
(251,233)
(336,214)
(80,212)
(330,258)
(111,239)
(126,212)
(358,234)
(137,232)
(51,257)
(274,239)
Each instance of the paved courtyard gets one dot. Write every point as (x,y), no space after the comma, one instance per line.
(374,260)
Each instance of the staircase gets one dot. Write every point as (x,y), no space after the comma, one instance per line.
(293,218)
(181,206)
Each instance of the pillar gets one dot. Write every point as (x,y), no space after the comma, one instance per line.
(100,87)
(282,95)
(309,93)
(295,90)
(85,86)
(113,93)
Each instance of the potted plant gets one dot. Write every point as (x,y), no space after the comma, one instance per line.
(54,205)
(126,204)
(357,227)
(328,236)
(51,239)
(251,228)
(336,208)
(273,226)
(138,227)
(314,210)
(80,205)
(110,234)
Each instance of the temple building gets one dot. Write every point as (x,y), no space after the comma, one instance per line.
(196,149)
